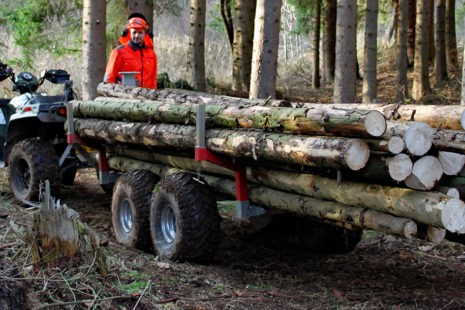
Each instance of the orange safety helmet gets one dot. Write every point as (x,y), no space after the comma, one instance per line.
(136,21)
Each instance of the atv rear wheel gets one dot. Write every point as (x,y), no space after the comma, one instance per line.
(130,207)
(31,162)
(184,219)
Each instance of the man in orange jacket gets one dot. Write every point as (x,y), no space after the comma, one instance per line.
(134,55)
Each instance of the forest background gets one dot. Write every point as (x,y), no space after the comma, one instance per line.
(41,34)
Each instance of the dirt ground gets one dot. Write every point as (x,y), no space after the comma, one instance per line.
(268,269)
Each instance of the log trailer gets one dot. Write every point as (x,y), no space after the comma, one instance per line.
(175,212)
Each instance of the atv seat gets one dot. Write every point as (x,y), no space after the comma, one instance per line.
(46,99)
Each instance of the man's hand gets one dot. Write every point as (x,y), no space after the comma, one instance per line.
(5,71)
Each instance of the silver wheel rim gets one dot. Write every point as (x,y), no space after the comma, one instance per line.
(125,216)
(168,224)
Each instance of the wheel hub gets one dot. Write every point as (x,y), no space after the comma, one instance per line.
(125,216)
(168,224)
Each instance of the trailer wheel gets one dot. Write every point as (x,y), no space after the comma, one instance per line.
(31,162)
(68,172)
(327,238)
(184,219)
(130,207)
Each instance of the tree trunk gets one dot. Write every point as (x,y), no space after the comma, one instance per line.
(401,52)
(429,208)
(329,40)
(426,173)
(462,102)
(451,40)
(265,49)
(93,46)
(345,72)
(197,44)
(303,150)
(316,46)
(370,53)
(302,120)
(412,15)
(144,7)
(243,44)
(440,67)
(431,47)
(421,85)
(226,16)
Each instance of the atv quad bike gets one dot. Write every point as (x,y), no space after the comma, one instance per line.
(32,134)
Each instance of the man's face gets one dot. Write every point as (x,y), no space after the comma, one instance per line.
(137,36)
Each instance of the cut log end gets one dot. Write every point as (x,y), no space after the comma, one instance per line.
(452,163)
(400,167)
(396,145)
(435,234)
(426,172)
(419,138)
(453,215)
(375,123)
(410,229)
(357,154)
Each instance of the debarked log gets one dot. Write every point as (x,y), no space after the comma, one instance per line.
(304,150)
(304,121)
(274,199)
(429,208)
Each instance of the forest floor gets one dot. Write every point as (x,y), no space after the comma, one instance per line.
(267,269)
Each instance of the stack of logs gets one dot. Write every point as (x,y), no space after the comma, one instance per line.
(382,167)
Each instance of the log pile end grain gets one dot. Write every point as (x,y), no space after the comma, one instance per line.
(357,154)
(453,215)
(396,145)
(375,123)
(400,167)
(426,173)
(419,138)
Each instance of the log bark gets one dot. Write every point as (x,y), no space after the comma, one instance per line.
(452,163)
(449,140)
(429,208)
(421,85)
(440,65)
(304,150)
(426,173)
(274,199)
(176,95)
(302,120)
(400,167)
(447,117)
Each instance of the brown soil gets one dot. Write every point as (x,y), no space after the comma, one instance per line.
(268,269)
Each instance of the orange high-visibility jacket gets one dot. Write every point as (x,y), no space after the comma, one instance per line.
(130,57)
